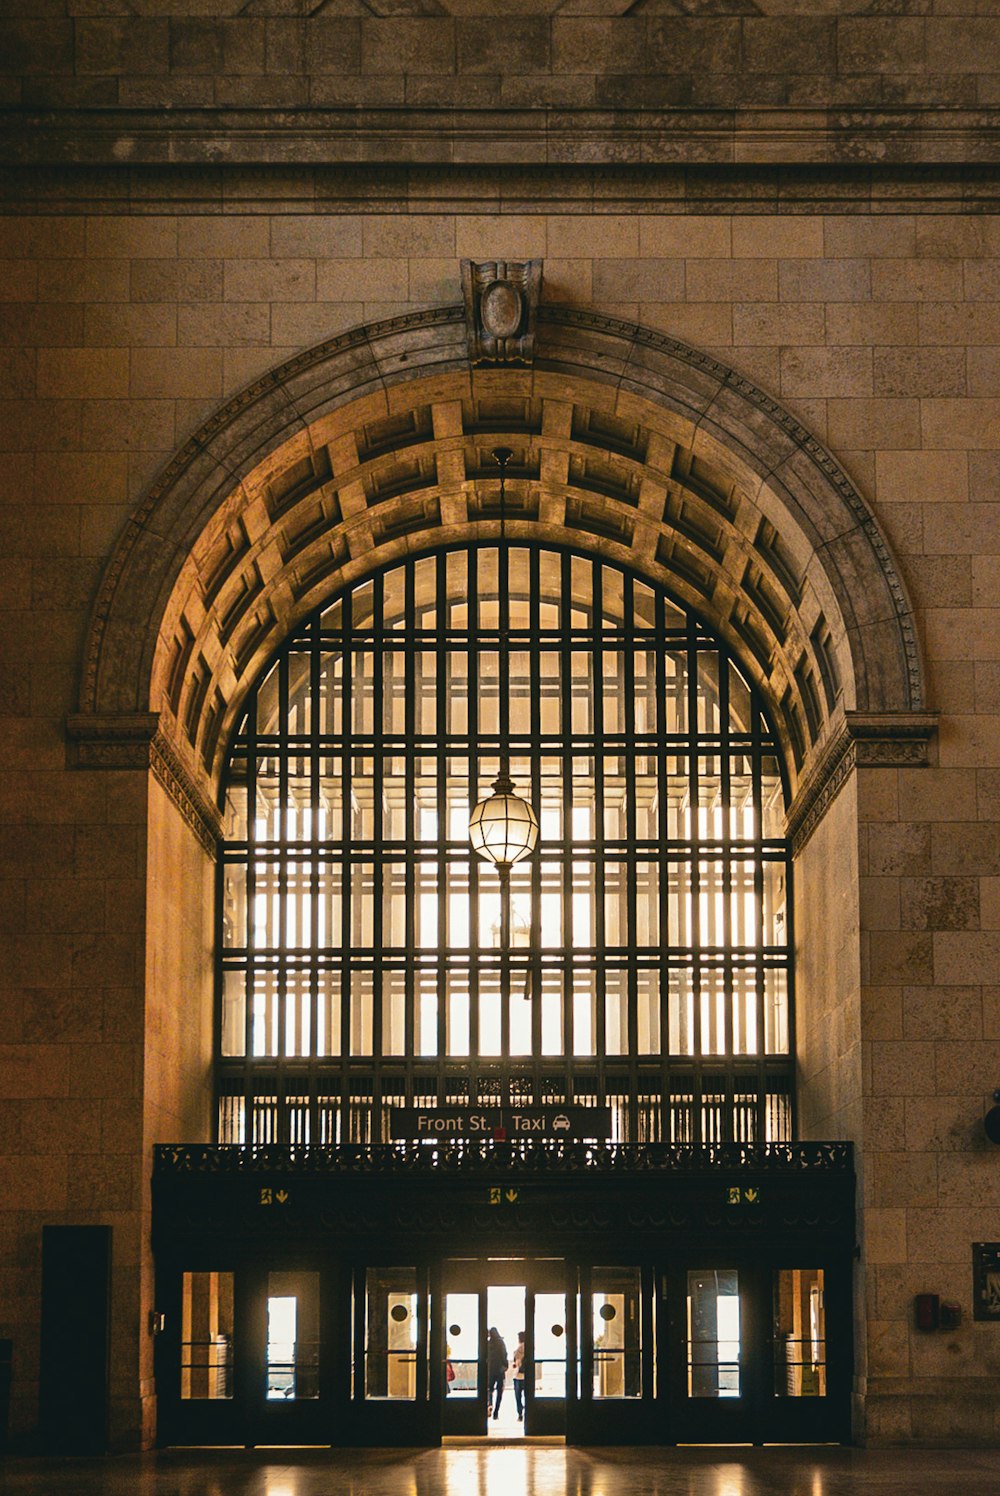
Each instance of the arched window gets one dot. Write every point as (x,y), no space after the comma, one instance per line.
(359,944)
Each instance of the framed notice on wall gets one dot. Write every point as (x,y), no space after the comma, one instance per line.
(986,1280)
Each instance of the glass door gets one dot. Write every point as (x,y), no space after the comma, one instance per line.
(616,1365)
(464,1373)
(810,1353)
(546,1356)
(286,1398)
(716,1369)
(200,1357)
(461,1371)
(754,1352)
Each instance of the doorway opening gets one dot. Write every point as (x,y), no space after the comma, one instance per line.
(505,1348)
(505,1312)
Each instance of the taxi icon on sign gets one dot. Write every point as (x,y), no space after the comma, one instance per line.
(561,1123)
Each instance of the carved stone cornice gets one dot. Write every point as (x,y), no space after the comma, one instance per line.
(568,187)
(134,740)
(749,134)
(119,741)
(866,740)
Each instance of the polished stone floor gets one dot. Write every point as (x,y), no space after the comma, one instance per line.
(523,1470)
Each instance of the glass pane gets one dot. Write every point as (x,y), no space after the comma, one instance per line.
(235,826)
(461,1318)
(741,811)
(773,913)
(298,1014)
(681,1039)
(713,1012)
(391,1332)
(393,1012)
(207,1336)
(708,691)
(328,1013)
(799,1333)
(744,1004)
(616,1304)
(264,1033)
(713,1333)
(362,1003)
(772,798)
(550,1345)
(457,1015)
(743,905)
(292,1336)
(776,1010)
(234,1012)
(234,902)
(616,1012)
(648,1010)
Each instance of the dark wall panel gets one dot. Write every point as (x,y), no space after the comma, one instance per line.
(76,1312)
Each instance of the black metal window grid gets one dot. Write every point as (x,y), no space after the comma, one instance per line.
(359,961)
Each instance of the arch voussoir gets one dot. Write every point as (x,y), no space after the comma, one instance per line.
(377,443)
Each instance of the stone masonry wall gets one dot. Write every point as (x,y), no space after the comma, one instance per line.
(120,332)
(290,55)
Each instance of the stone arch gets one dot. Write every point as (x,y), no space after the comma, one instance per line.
(377,442)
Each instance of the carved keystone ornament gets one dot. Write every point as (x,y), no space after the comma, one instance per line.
(501,300)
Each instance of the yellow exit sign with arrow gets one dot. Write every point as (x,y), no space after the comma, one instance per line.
(501,1195)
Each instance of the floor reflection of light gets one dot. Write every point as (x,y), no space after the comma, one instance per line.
(506,1472)
(463,1474)
(730,1483)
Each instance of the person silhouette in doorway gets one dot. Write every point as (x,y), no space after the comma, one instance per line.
(517,1375)
(496,1370)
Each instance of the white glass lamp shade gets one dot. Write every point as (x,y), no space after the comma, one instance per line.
(503,829)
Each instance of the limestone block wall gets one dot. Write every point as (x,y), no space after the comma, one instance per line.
(71,1004)
(729,73)
(929,1028)
(121,330)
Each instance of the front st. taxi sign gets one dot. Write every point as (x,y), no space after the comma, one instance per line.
(501,1124)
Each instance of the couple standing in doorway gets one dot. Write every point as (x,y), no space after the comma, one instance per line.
(497,1365)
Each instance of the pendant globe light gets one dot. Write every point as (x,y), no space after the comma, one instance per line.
(503,828)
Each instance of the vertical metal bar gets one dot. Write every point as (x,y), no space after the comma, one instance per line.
(315,699)
(598,829)
(789,996)
(475,864)
(663,831)
(220,979)
(729,1131)
(694,852)
(566,766)
(444,860)
(535,864)
(631,837)
(251,963)
(347,865)
(756,771)
(281,857)
(378,859)
(503,873)
(503,720)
